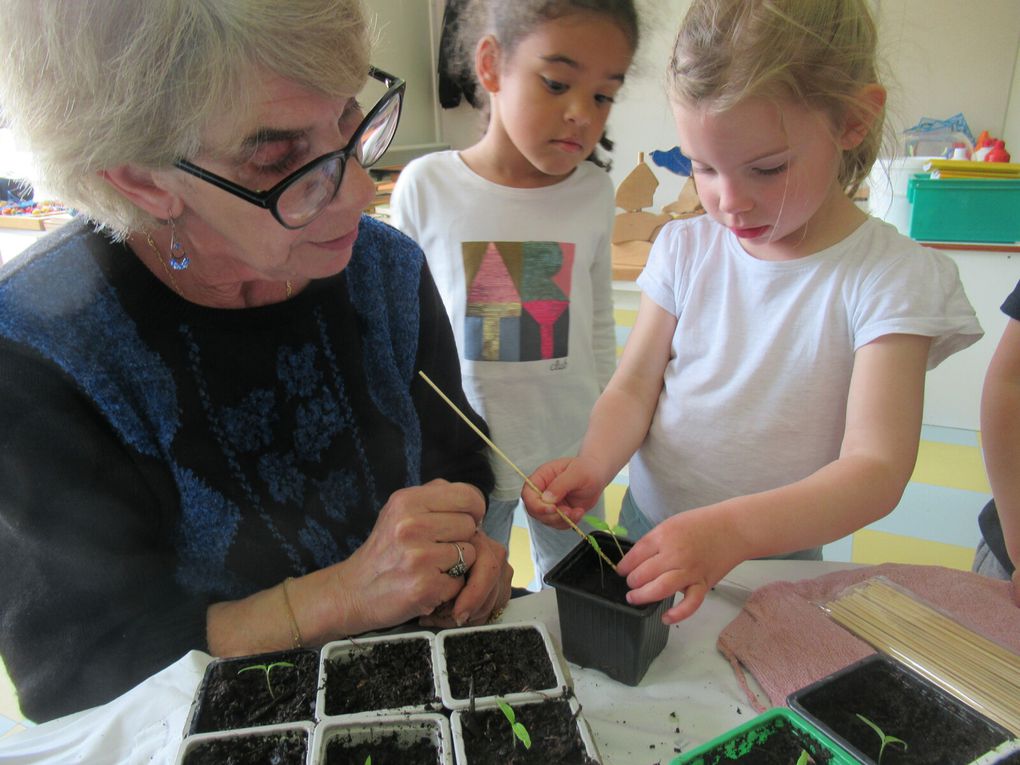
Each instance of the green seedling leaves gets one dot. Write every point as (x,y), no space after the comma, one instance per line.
(597,523)
(267,668)
(520,732)
(886,740)
(616,531)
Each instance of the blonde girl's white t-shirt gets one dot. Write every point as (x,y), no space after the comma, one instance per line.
(754,394)
(526,277)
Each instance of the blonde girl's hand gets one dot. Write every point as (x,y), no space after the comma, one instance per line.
(569,483)
(1016,587)
(688,553)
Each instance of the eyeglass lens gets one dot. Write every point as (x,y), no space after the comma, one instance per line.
(312,192)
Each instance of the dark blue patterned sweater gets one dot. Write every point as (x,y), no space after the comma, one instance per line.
(157,456)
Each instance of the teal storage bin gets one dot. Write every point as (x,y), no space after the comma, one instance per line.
(964,209)
(746,742)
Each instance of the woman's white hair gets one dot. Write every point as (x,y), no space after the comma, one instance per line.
(93,84)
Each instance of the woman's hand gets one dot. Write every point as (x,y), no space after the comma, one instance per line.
(400,572)
(1016,587)
(569,483)
(486,592)
(688,553)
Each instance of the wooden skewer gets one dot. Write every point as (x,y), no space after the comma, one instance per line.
(508,461)
(967,665)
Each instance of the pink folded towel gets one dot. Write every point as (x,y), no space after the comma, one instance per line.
(786,641)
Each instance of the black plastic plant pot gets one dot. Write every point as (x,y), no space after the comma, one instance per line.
(599,628)
(777,736)
(879,696)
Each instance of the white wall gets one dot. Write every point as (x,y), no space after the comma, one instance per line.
(938,57)
(1011,132)
(407,41)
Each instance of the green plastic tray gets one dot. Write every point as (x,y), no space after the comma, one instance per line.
(737,743)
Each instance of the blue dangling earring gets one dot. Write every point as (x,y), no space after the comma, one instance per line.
(179,259)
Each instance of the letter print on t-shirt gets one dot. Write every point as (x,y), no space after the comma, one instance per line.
(518,300)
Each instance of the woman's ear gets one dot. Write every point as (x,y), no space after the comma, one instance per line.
(142,187)
(867,106)
(487,59)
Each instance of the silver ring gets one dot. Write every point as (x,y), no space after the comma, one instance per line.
(458,569)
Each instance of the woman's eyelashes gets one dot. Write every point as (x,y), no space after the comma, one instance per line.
(277,158)
(282,157)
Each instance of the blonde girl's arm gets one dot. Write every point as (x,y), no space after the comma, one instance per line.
(618,423)
(692,551)
(876,459)
(623,413)
(1000,434)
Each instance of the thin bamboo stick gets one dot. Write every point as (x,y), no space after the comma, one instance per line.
(976,670)
(510,462)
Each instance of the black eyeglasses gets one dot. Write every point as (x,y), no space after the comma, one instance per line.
(304,194)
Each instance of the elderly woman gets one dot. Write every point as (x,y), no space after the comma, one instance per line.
(213,432)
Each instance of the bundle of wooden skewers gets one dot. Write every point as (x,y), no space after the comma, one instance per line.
(976,670)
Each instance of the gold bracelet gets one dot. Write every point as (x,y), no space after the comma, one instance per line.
(295,632)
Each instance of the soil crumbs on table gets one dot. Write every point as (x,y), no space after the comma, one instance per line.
(272,749)
(233,699)
(386,675)
(388,749)
(555,739)
(499,662)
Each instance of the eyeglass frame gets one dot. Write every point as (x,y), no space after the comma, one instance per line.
(268,200)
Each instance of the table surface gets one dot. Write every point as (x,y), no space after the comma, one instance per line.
(688,696)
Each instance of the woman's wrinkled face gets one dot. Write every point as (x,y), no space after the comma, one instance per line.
(231,239)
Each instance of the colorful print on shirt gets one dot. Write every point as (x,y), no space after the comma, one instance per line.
(518,300)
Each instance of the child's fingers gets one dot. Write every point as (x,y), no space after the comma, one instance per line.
(693,597)
(667,584)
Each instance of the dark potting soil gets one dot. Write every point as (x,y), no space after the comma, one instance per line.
(499,662)
(773,743)
(232,698)
(938,729)
(273,749)
(385,675)
(592,574)
(387,749)
(489,740)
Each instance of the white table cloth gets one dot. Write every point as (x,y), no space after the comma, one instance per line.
(688,696)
